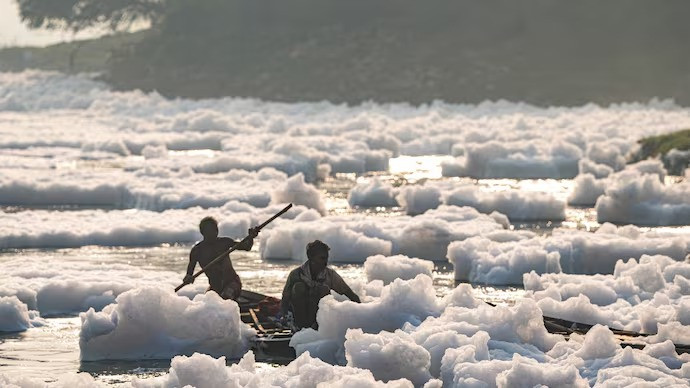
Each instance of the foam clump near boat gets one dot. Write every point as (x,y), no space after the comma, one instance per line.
(152,323)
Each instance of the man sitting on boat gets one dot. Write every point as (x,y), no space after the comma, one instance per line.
(310,282)
(222,277)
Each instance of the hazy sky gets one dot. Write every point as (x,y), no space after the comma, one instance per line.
(14,33)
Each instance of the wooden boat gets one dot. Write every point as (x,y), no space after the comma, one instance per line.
(272,343)
(626,338)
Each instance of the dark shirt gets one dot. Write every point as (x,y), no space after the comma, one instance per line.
(328,277)
(221,273)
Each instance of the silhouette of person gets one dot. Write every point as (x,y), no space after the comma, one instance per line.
(222,277)
(308,283)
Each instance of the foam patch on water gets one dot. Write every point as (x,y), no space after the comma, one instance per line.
(202,371)
(416,199)
(387,341)
(131,227)
(14,315)
(152,323)
(595,360)
(594,179)
(466,341)
(517,205)
(373,193)
(517,159)
(297,192)
(390,356)
(69,380)
(353,238)
(399,302)
(389,268)
(645,201)
(639,296)
(482,260)
(71,286)
(502,257)
(148,188)
(494,139)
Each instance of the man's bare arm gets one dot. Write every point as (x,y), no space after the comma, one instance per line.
(246,245)
(190,268)
(341,287)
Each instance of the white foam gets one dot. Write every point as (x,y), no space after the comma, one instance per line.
(521,160)
(645,201)
(373,193)
(581,362)
(400,302)
(608,153)
(144,150)
(517,205)
(499,139)
(479,259)
(677,161)
(203,371)
(636,297)
(589,253)
(73,285)
(148,188)
(590,186)
(353,238)
(389,356)
(297,192)
(502,257)
(68,380)
(14,315)
(519,371)
(152,323)
(418,199)
(587,190)
(586,166)
(129,227)
(390,268)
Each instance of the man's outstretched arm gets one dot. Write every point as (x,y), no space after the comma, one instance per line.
(342,288)
(246,245)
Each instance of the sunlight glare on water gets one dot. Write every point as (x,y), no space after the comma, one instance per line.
(415,168)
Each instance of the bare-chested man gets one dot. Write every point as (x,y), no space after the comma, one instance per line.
(222,277)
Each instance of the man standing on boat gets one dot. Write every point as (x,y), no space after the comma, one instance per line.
(222,277)
(310,282)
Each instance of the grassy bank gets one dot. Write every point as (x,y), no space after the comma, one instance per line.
(660,145)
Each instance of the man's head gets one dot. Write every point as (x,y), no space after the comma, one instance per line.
(208,228)
(317,253)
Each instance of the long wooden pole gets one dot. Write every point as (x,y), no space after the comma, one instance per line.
(286,208)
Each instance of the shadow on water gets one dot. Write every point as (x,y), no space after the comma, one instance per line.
(504,287)
(119,371)
(119,367)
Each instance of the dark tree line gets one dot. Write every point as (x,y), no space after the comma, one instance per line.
(76,15)
(540,51)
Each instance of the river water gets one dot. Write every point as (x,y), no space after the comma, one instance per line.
(51,350)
